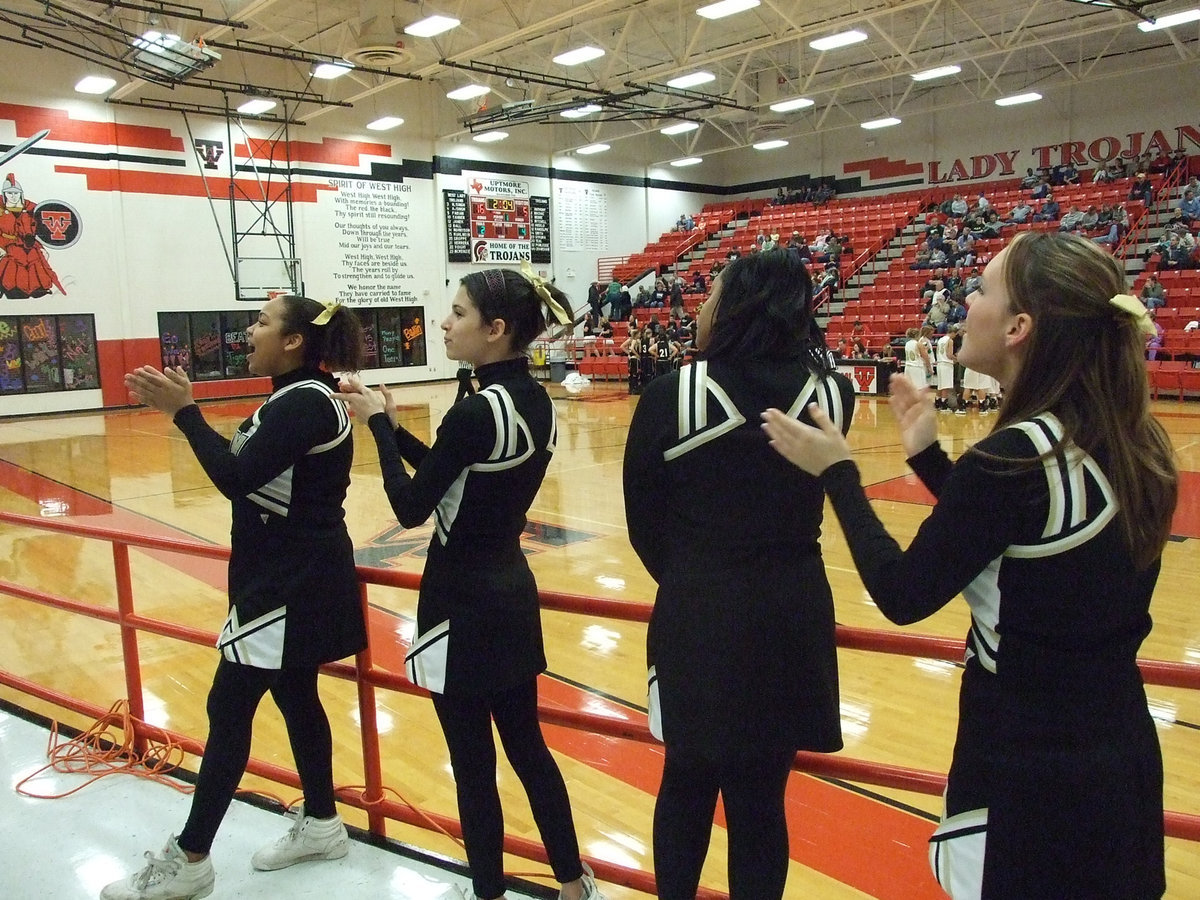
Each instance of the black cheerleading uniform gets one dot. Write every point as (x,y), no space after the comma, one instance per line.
(741,647)
(1055,789)
(478,646)
(293,593)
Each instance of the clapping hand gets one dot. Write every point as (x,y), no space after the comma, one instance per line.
(167,391)
(813,449)
(366,402)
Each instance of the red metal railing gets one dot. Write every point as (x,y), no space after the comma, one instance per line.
(368,678)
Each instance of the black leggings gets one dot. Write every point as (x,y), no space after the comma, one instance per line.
(752,789)
(232,700)
(467,725)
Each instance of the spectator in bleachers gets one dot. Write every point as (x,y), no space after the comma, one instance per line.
(698,284)
(964,249)
(939,311)
(623,306)
(1049,212)
(958,206)
(825,192)
(1020,213)
(1153,294)
(1141,189)
(589,325)
(1107,173)
(1031,180)
(1112,237)
(1154,341)
(643,298)
(992,227)
(677,297)
(1068,174)
(1091,218)
(1177,256)
(921,261)
(612,295)
(716,269)
(1178,160)
(972,282)
(1160,162)
(958,312)
(798,247)
(1193,185)
(606,329)
(830,279)
(832,252)
(685,223)
(1188,209)
(593,299)
(781,196)
(982,203)
(1041,190)
(658,296)
(938,257)
(1072,220)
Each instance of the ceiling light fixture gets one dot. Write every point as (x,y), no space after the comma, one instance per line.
(578,55)
(845,39)
(469,92)
(771,145)
(1019,98)
(257,106)
(687,160)
(939,72)
(490,137)
(880,123)
(692,79)
(94,84)
(328,71)
(384,123)
(789,105)
(725,8)
(592,148)
(580,111)
(680,128)
(431,25)
(1179,18)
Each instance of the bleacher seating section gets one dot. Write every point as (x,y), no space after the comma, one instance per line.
(892,302)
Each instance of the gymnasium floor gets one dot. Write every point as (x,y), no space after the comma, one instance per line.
(130,469)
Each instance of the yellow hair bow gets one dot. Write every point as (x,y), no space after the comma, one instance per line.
(1132,306)
(325,315)
(542,288)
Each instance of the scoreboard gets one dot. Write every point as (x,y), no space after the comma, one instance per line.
(500,218)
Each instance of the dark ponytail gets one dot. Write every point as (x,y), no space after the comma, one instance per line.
(337,344)
(511,296)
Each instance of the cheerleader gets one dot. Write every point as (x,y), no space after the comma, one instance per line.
(1052,528)
(478,647)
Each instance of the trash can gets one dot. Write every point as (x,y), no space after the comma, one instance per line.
(558,370)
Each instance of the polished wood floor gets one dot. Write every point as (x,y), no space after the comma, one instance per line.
(132,469)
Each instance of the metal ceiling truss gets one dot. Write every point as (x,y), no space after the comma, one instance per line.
(758,57)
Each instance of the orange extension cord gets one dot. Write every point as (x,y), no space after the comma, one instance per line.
(106,748)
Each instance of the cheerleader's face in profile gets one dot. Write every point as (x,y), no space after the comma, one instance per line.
(708,312)
(271,352)
(468,338)
(993,334)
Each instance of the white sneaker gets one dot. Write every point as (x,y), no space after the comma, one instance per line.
(590,891)
(307,839)
(170,877)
